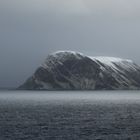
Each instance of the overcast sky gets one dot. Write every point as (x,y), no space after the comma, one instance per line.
(31,29)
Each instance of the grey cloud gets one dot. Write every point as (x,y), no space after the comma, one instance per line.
(30,30)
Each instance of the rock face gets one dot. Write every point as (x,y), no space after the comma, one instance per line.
(68,70)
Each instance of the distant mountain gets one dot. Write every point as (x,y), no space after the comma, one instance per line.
(66,70)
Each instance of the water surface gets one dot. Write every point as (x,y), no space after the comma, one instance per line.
(48,115)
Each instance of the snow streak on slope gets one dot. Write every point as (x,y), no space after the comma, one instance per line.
(114,63)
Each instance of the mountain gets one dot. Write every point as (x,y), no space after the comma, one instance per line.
(67,70)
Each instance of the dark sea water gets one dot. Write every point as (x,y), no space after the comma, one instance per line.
(70,115)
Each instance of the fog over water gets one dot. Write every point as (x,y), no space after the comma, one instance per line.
(70,96)
(31,29)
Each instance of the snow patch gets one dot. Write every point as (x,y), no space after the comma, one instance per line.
(66,52)
(113,61)
(110,60)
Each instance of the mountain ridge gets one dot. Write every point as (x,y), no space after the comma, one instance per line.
(69,70)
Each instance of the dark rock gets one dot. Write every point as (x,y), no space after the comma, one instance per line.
(74,71)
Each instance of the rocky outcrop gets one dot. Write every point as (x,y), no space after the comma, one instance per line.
(66,70)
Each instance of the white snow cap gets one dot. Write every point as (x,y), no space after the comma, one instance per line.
(66,52)
(109,60)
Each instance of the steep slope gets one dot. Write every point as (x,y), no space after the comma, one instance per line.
(66,70)
(118,73)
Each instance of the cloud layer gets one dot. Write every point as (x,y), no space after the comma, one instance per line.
(31,29)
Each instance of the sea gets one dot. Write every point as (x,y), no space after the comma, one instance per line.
(69,115)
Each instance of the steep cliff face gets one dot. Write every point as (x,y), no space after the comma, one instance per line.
(68,70)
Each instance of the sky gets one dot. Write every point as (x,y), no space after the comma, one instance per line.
(31,29)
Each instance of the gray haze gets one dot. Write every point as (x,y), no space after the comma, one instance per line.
(30,29)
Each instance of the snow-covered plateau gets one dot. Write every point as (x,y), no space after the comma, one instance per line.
(68,70)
